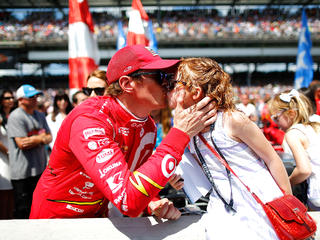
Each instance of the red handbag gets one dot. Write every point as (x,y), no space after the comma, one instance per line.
(289,218)
(287,214)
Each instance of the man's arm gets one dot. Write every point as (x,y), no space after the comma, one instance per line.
(33,141)
(129,191)
(164,209)
(19,132)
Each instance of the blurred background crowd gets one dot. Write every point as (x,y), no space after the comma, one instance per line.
(262,23)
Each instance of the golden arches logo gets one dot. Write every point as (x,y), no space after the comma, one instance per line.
(139,184)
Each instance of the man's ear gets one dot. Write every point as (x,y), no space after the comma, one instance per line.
(197,94)
(125,83)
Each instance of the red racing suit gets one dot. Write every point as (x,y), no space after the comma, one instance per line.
(104,153)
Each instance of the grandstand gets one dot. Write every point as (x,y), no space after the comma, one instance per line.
(123,3)
(242,35)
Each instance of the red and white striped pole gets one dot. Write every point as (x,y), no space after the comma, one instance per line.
(82,45)
(138,20)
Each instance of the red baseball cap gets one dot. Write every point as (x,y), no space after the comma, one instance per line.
(132,58)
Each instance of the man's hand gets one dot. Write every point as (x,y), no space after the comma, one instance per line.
(164,209)
(46,138)
(195,118)
(176,181)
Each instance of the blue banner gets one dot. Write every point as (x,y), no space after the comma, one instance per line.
(304,71)
(121,40)
(152,38)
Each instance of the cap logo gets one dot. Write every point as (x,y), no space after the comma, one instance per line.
(151,51)
(127,69)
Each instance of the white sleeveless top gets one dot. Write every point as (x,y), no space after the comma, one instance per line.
(250,217)
(313,152)
(5,183)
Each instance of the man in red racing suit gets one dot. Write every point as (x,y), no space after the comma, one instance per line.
(103,150)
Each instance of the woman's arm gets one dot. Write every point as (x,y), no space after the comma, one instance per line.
(296,141)
(3,148)
(243,128)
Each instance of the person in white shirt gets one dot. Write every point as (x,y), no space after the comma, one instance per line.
(232,212)
(292,111)
(247,108)
(61,107)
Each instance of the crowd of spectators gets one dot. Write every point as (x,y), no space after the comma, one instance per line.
(258,96)
(267,23)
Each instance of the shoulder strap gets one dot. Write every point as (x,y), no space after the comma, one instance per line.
(220,158)
(224,162)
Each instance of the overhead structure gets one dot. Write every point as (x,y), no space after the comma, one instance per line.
(127,3)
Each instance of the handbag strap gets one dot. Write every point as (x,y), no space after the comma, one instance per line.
(225,163)
(228,206)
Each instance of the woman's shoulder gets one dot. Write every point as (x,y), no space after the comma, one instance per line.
(296,132)
(235,123)
(50,114)
(295,128)
(49,117)
(235,119)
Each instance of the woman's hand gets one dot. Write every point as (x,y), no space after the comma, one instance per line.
(176,181)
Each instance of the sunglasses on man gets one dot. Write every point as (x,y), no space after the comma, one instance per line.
(162,78)
(99,91)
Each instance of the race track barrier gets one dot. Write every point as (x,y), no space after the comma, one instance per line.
(118,228)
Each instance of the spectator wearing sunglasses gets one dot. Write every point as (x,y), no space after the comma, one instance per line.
(104,148)
(96,84)
(293,112)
